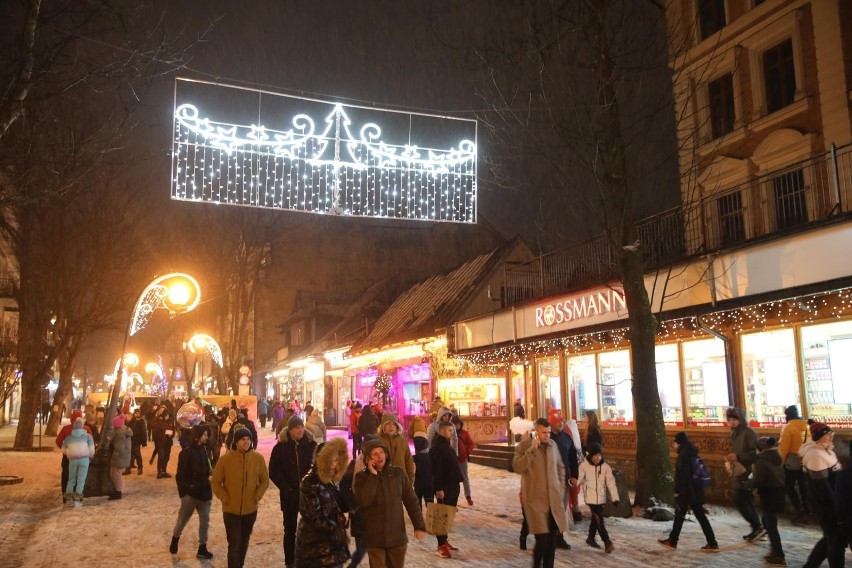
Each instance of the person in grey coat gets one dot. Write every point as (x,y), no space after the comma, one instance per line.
(742,457)
(538,461)
(119,460)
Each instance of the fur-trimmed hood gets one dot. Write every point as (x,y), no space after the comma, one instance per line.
(325,454)
(284,436)
(387,417)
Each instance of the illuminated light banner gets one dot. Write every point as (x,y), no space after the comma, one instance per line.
(240,146)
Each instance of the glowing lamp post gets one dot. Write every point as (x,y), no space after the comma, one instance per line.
(175,292)
(201,344)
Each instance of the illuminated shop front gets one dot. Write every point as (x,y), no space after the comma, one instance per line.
(475,396)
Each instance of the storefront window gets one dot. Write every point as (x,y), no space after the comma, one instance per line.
(616,388)
(518,387)
(827,356)
(770,375)
(668,384)
(475,396)
(416,380)
(549,385)
(706,382)
(583,381)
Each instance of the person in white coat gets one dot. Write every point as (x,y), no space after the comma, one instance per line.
(595,479)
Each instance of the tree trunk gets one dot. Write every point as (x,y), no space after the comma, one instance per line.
(30,400)
(66,374)
(653,466)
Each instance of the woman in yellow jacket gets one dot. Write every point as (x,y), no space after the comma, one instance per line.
(793,436)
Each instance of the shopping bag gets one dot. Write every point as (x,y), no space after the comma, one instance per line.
(439,518)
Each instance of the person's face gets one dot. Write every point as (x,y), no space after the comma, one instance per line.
(543,432)
(596,459)
(556,428)
(447,417)
(332,467)
(244,444)
(378,458)
(446,432)
(389,428)
(297,433)
(203,438)
(827,439)
(733,422)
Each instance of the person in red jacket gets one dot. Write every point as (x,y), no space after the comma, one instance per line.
(466,446)
(64,433)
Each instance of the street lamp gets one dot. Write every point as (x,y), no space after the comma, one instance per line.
(176,292)
(200,344)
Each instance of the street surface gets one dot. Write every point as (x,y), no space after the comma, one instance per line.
(36,531)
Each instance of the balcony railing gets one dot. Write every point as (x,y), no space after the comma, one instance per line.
(780,202)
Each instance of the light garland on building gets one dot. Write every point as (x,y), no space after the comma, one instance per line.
(333,172)
(803,310)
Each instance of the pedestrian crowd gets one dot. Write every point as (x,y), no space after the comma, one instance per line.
(338,509)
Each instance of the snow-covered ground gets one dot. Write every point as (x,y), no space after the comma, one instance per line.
(35,529)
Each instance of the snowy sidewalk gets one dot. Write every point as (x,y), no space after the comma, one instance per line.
(36,531)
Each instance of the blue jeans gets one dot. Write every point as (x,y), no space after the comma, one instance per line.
(78,469)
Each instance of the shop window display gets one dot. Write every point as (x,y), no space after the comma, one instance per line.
(475,396)
(549,385)
(706,379)
(770,375)
(583,381)
(518,386)
(668,384)
(827,360)
(616,388)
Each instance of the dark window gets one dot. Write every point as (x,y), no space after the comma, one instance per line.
(721,95)
(731,224)
(791,205)
(711,15)
(779,76)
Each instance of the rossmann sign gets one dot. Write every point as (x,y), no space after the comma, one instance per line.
(594,304)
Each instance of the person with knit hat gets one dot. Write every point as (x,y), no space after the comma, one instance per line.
(570,459)
(60,438)
(289,462)
(381,490)
(596,478)
(793,435)
(239,481)
(78,448)
(689,494)
(194,490)
(119,460)
(822,466)
(743,453)
(768,478)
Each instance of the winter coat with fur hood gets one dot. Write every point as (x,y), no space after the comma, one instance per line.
(289,462)
(542,484)
(321,539)
(397,446)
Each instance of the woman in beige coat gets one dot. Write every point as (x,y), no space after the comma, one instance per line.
(542,472)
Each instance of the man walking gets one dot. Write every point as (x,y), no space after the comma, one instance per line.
(196,494)
(239,481)
(742,457)
(570,459)
(289,462)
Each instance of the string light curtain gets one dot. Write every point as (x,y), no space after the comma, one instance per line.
(238,146)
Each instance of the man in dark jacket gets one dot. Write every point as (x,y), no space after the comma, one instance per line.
(446,477)
(196,494)
(570,458)
(289,462)
(768,479)
(380,492)
(743,455)
(138,438)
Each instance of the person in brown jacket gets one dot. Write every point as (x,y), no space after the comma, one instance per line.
(380,491)
(399,453)
(239,482)
(542,472)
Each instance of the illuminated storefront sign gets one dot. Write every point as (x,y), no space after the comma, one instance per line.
(573,308)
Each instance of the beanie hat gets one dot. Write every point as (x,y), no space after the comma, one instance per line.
(240,434)
(118,421)
(818,429)
(370,445)
(78,424)
(594,448)
(766,443)
(554,417)
(294,422)
(791,412)
(681,438)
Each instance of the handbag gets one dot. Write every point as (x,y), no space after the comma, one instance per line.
(439,518)
(793,462)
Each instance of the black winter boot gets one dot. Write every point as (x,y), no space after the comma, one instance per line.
(173,546)
(115,496)
(203,553)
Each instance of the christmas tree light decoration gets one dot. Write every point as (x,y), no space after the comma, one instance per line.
(346,170)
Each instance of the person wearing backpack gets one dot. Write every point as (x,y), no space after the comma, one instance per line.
(768,478)
(691,477)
